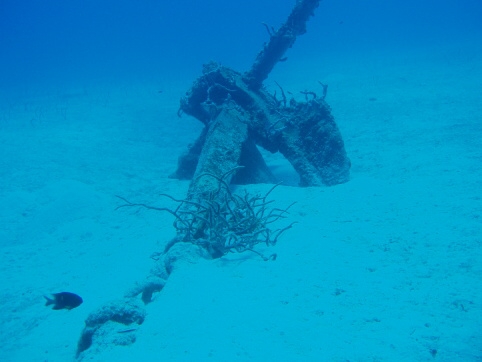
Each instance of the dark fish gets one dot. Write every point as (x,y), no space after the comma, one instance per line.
(64,300)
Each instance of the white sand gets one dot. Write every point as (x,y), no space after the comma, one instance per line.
(386,267)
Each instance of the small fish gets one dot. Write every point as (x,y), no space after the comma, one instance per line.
(64,300)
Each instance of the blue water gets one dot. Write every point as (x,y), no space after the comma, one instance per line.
(46,41)
(385,267)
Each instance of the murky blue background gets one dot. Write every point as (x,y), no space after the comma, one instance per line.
(63,41)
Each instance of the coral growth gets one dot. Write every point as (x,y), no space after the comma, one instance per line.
(222,221)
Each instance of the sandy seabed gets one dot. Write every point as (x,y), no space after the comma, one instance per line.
(386,267)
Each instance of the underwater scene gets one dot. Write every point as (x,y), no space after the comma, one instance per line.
(295,180)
